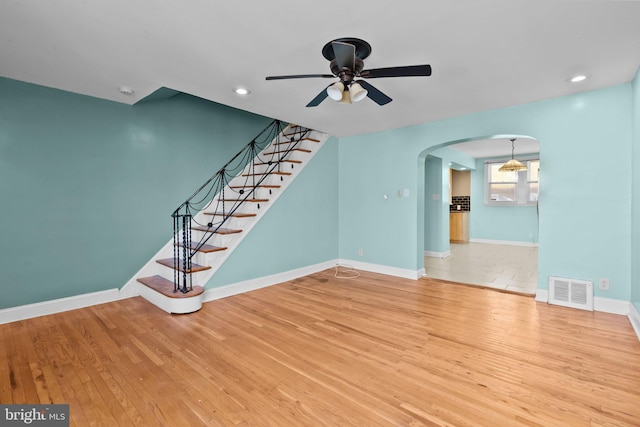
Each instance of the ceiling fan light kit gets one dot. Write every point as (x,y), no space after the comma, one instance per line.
(346,62)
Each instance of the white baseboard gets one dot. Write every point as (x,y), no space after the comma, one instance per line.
(606,305)
(634,318)
(14,314)
(432,254)
(613,306)
(384,269)
(542,295)
(44,308)
(211,294)
(504,242)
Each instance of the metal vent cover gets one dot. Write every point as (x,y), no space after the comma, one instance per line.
(572,293)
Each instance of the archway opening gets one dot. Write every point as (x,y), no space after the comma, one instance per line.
(482,232)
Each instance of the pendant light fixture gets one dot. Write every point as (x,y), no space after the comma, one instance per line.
(512,165)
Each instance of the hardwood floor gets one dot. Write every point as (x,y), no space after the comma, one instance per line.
(370,351)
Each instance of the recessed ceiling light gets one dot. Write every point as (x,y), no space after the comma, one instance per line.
(578,78)
(463,169)
(125,90)
(241,91)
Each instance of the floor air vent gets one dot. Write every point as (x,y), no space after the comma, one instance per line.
(571,293)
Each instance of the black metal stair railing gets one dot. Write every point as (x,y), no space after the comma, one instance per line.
(226,200)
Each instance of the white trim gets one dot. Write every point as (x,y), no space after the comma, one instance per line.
(504,242)
(613,306)
(211,294)
(542,295)
(171,305)
(605,305)
(22,312)
(384,269)
(432,254)
(634,318)
(262,282)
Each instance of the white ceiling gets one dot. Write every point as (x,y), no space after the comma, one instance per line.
(484,54)
(496,147)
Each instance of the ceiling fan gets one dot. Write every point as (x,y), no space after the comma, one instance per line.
(346,56)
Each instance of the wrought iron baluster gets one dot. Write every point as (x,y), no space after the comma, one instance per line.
(216,185)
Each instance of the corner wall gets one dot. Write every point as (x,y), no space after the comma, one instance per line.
(585,214)
(88,186)
(635,197)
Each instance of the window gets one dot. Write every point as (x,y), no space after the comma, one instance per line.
(511,188)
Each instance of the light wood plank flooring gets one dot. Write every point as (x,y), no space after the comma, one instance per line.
(322,351)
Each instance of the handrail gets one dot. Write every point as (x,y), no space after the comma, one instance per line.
(215,192)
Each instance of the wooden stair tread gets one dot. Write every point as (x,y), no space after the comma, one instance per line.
(194,267)
(233,215)
(304,150)
(165,287)
(266,173)
(204,248)
(248,200)
(281,161)
(301,139)
(295,133)
(218,231)
(255,186)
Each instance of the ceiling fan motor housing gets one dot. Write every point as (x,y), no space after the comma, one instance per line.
(346,74)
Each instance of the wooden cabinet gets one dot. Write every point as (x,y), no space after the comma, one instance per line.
(459,227)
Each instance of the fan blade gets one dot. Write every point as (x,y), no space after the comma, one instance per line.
(319,98)
(301,76)
(373,93)
(345,55)
(408,71)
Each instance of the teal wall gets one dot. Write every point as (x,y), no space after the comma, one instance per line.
(88,186)
(635,231)
(299,230)
(436,226)
(436,212)
(507,223)
(585,211)
(386,229)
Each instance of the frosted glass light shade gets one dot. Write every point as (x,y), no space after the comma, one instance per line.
(335,91)
(346,98)
(357,92)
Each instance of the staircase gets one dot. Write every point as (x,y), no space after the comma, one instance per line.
(208,229)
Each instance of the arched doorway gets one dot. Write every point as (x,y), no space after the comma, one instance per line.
(500,249)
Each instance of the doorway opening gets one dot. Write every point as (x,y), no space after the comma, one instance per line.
(474,233)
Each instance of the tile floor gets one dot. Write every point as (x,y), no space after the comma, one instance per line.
(507,267)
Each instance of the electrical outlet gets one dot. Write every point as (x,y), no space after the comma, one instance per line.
(603,283)
(360,252)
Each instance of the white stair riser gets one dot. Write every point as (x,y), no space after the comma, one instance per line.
(198,278)
(295,155)
(205,258)
(272,179)
(216,239)
(232,222)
